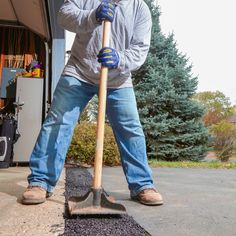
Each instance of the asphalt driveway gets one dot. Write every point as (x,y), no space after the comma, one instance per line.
(199,202)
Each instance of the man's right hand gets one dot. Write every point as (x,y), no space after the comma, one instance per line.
(105,11)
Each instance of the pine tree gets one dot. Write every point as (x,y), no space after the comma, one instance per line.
(164,86)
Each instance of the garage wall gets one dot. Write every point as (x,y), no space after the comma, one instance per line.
(58,43)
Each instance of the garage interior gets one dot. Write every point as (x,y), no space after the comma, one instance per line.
(30,42)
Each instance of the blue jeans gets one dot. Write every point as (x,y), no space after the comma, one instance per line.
(70,98)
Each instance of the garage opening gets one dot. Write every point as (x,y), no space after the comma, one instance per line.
(31,60)
(22,65)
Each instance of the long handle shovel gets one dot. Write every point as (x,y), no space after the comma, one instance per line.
(96,202)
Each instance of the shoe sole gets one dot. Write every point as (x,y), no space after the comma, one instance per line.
(32,201)
(152,203)
(35,201)
(157,203)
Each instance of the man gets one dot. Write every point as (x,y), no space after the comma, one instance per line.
(130,40)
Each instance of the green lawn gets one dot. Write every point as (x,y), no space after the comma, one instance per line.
(190,164)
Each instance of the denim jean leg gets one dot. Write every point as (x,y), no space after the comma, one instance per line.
(123,116)
(48,156)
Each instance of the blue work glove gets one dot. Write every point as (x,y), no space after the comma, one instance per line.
(108,57)
(105,11)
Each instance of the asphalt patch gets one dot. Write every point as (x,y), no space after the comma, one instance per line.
(78,183)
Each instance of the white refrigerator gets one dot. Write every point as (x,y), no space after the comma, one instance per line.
(29,102)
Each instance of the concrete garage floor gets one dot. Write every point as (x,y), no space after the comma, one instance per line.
(17,219)
(199,202)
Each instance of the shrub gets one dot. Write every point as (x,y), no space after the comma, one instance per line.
(224,137)
(82,147)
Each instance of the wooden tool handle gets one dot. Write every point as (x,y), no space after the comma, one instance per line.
(97,181)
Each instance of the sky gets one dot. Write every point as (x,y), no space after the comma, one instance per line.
(205,31)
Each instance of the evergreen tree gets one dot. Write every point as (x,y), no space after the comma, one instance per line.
(90,112)
(164,86)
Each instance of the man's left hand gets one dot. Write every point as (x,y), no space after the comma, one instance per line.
(105,11)
(108,57)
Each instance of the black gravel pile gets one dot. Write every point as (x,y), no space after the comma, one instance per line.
(78,182)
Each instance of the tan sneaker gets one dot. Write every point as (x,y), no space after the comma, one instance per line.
(149,197)
(34,195)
